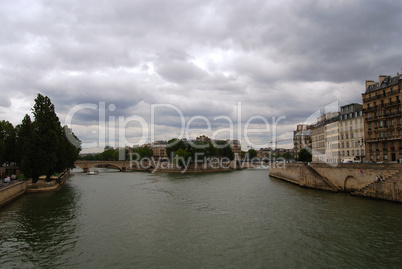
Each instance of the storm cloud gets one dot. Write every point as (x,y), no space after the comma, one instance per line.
(278,58)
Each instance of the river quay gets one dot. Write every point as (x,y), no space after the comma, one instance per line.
(16,188)
(357,179)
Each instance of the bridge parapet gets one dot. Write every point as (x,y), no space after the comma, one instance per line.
(87,165)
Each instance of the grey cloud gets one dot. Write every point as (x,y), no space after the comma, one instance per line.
(276,57)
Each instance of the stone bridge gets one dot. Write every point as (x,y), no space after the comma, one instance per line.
(86,165)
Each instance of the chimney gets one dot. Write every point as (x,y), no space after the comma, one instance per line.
(381,79)
(369,82)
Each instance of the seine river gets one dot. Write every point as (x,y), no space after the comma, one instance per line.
(240,219)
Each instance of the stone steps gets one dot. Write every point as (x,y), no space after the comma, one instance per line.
(326,180)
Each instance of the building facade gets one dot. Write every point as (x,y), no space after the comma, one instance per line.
(302,138)
(318,140)
(159,149)
(236,148)
(325,139)
(383,119)
(332,141)
(351,130)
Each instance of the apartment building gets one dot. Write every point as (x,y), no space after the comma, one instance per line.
(325,139)
(318,140)
(302,137)
(351,130)
(383,119)
(236,148)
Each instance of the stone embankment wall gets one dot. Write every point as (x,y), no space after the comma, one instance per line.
(358,179)
(43,186)
(17,188)
(301,175)
(12,191)
(353,177)
(387,190)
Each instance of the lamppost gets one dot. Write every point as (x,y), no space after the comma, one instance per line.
(361,143)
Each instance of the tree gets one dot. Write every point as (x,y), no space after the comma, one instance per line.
(71,147)
(23,134)
(198,150)
(252,153)
(182,157)
(49,132)
(174,145)
(144,152)
(304,156)
(28,157)
(44,147)
(7,142)
(224,149)
(287,156)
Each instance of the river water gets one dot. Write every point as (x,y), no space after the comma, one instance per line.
(221,220)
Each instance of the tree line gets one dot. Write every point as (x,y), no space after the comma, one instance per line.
(40,146)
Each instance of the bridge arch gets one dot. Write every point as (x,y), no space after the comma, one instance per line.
(350,184)
(86,165)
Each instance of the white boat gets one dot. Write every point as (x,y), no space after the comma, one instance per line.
(92,172)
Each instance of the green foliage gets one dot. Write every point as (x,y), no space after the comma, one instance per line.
(252,153)
(174,145)
(108,155)
(144,152)
(7,142)
(287,156)
(304,156)
(224,150)
(199,150)
(43,147)
(182,157)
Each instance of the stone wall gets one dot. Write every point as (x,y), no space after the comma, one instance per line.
(351,177)
(387,190)
(43,186)
(302,175)
(12,191)
(359,179)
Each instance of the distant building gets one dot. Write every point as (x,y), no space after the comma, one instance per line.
(159,149)
(325,139)
(318,140)
(264,152)
(202,138)
(302,137)
(332,138)
(383,119)
(351,130)
(236,148)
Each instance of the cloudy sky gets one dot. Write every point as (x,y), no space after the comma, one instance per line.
(250,63)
